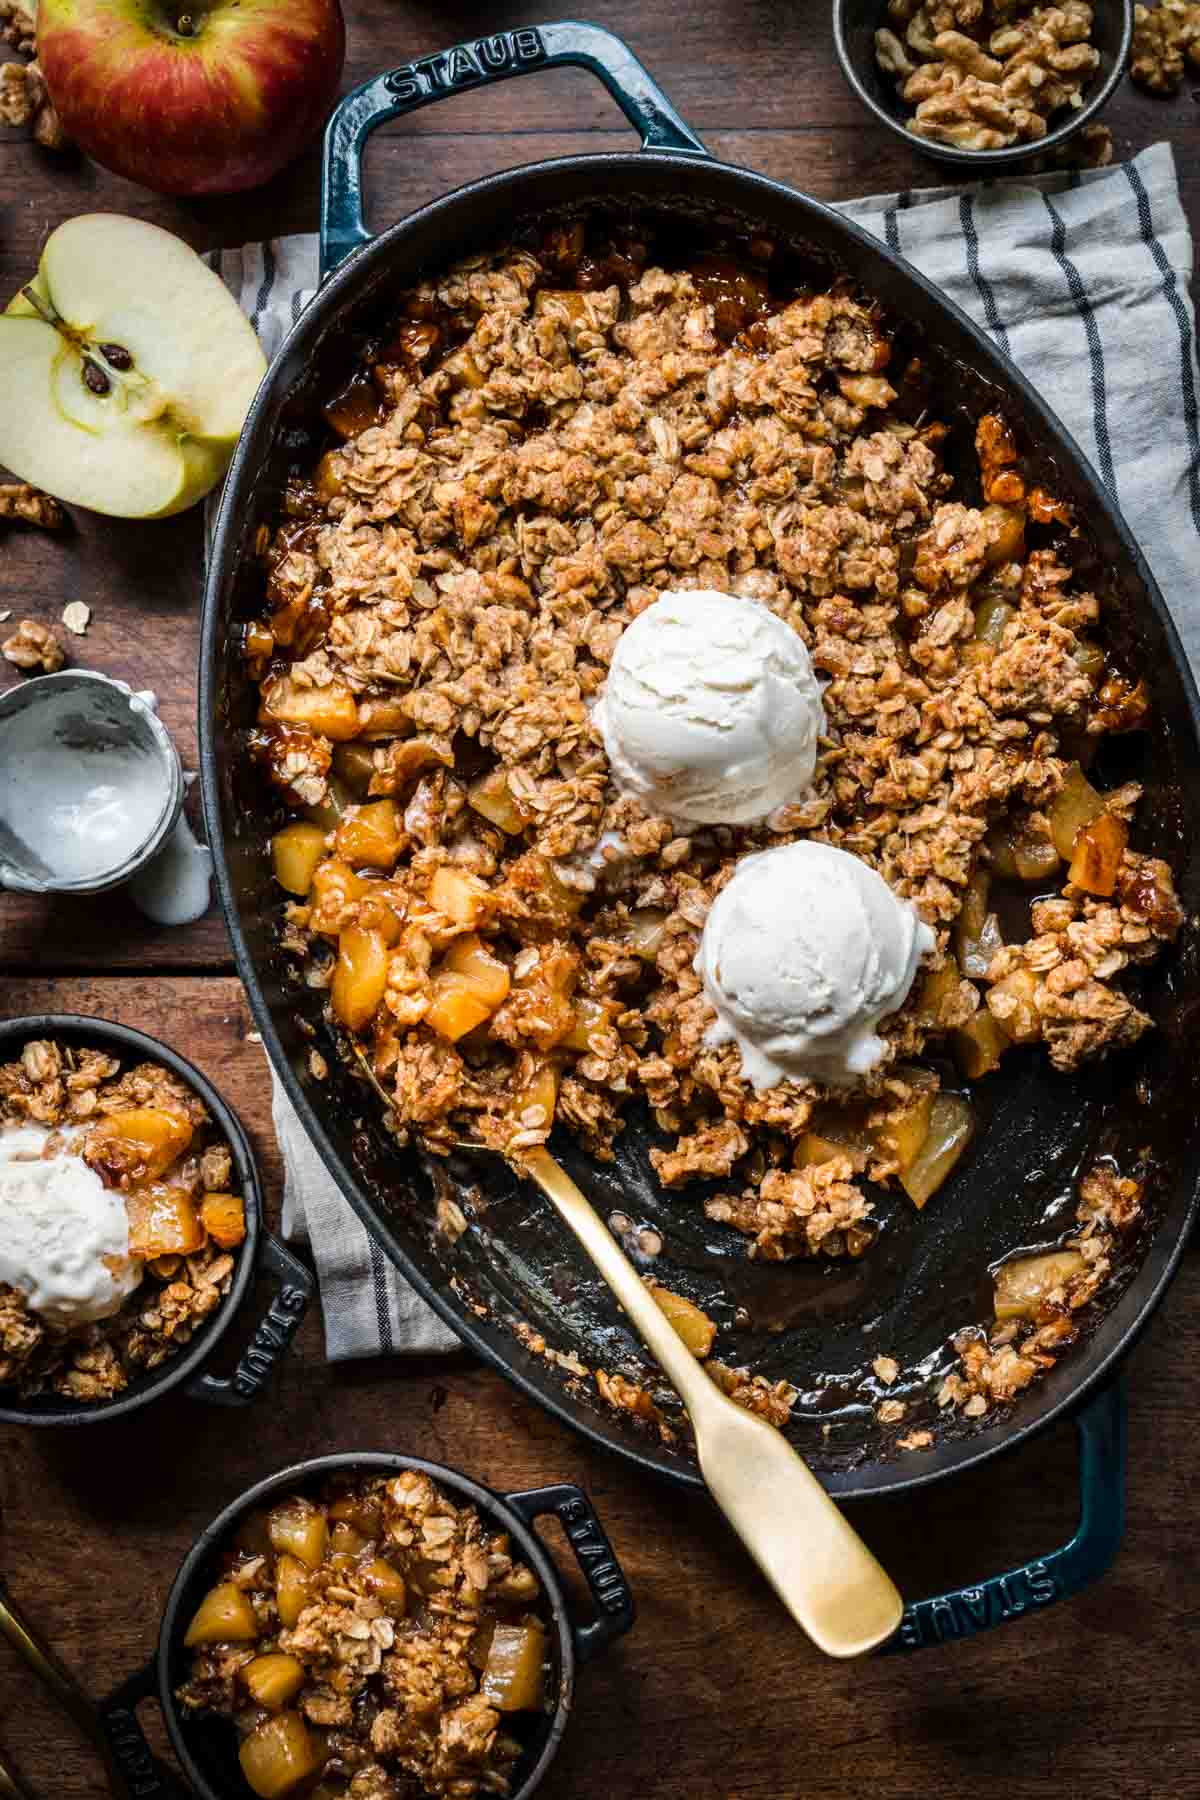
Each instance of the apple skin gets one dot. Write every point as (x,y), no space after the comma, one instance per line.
(215,108)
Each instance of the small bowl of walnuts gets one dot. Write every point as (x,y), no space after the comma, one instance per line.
(986,84)
(131,1228)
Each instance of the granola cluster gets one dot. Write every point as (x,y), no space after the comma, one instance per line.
(984,74)
(379,1636)
(185,1223)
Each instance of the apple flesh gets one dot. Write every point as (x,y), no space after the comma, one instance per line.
(192,99)
(128,369)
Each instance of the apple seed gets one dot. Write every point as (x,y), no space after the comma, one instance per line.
(94,377)
(117,356)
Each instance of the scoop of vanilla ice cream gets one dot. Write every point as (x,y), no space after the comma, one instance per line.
(711,711)
(64,1236)
(804,951)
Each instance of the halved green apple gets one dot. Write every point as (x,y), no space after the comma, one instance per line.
(127,368)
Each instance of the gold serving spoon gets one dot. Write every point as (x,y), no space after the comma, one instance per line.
(832,1585)
(65,1689)
(10,1787)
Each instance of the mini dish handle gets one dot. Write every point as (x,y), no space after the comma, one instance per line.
(963,1612)
(604,1575)
(143,1775)
(471,65)
(273,1337)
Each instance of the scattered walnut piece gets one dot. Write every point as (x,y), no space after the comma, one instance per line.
(20,501)
(17,26)
(25,100)
(1163,36)
(890,1412)
(915,1440)
(886,1368)
(33,647)
(75,616)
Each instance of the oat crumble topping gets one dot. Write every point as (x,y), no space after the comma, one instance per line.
(379,1636)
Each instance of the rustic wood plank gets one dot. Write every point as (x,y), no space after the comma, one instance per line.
(714,1695)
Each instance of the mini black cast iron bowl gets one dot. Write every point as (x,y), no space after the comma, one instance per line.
(855,23)
(207,1746)
(260,1250)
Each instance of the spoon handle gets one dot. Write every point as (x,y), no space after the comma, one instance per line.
(62,1684)
(10,1787)
(829,1581)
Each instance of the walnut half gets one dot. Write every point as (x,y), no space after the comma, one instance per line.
(31,506)
(32,647)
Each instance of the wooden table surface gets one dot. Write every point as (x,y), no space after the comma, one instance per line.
(714,1694)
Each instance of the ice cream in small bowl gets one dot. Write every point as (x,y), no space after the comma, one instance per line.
(130,1224)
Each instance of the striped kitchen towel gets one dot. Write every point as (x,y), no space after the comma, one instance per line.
(1084,280)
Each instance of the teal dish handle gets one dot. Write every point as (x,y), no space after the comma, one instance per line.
(471,65)
(963,1612)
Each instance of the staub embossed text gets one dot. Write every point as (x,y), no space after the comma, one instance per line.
(467,64)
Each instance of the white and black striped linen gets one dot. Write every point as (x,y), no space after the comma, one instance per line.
(1084,280)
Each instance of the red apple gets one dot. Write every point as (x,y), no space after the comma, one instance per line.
(203,98)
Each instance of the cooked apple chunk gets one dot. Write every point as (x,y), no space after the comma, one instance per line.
(903,1133)
(369,836)
(1076,804)
(299,1528)
(335,890)
(693,1326)
(295,853)
(388,1585)
(359,976)
(329,711)
(1013,1000)
(142,1142)
(458,896)
(512,1679)
(1023,1285)
(492,799)
(224,1616)
(291,1588)
(163,1221)
(279,1754)
(951,1128)
(1097,855)
(456,1007)
(273,1680)
(979,1045)
(223,1217)
(468,956)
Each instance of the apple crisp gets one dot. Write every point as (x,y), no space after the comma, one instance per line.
(151,1141)
(543,441)
(378,1636)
